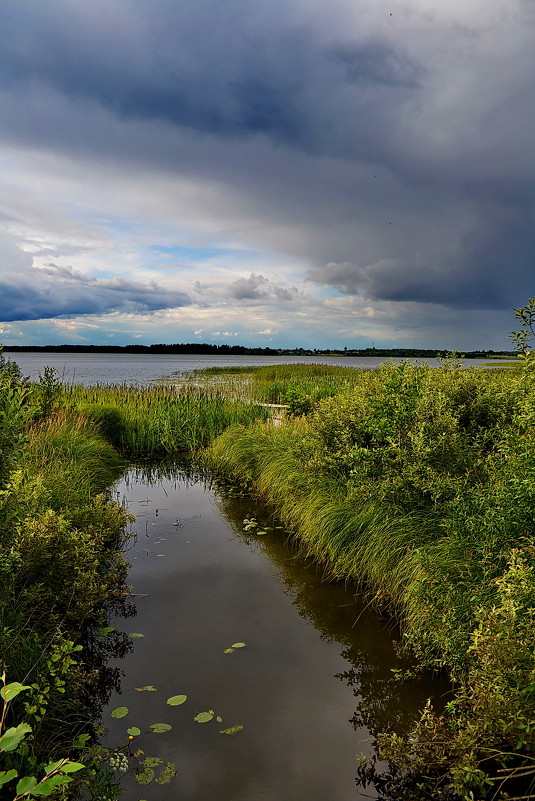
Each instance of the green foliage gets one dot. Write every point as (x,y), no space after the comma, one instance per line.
(522,337)
(59,562)
(47,392)
(419,484)
(484,741)
(12,740)
(162,419)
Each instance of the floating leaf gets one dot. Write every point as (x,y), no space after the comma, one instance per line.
(168,773)
(151,762)
(238,645)
(119,712)
(135,635)
(133,731)
(144,776)
(158,728)
(219,719)
(204,717)
(261,533)
(148,688)
(232,730)
(228,651)
(176,700)
(106,630)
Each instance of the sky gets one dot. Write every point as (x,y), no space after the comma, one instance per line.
(292,173)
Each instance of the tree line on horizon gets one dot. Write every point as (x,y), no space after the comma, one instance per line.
(241,350)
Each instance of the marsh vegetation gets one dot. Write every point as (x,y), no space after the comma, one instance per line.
(415,484)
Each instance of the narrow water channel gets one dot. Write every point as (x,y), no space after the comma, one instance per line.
(311,687)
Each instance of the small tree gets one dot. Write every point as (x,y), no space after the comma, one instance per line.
(521,338)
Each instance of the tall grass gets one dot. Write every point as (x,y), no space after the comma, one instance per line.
(418,484)
(278,383)
(367,544)
(72,458)
(161,419)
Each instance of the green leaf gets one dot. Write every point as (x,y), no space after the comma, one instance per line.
(228,651)
(204,717)
(11,691)
(176,700)
(105,631)
(148,688)
(219,719)
(133,731)
(45,787)
(151,762)
(232,730)
(167,774)
(52,766)
(25,785)
(72,767)
(119,712)
(7,775)
(261,533)
(135,635)
(158,728)
(144,776)
(12,737)
(238,645)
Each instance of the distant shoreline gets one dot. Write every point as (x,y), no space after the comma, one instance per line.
(240,350)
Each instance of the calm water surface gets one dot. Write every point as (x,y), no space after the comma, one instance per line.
(311,687)
(133,368)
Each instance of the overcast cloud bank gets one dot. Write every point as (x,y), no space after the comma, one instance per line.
(247,167)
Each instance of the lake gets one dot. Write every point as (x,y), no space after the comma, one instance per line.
(133,368)
(311,685)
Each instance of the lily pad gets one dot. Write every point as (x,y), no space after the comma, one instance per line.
(134,635)
(105,631)
(176,700)
(119,712)
(133,731)
(204,717)
(158,728)
(228,651)
(238,645)
(148,688)
(232,730)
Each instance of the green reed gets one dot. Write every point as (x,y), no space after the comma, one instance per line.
(161,418)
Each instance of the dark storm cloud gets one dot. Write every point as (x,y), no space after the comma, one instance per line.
(396,160)
(257,287)
(222,69)
(30,294)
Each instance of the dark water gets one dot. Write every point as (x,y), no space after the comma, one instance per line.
(118,368)
(311,687)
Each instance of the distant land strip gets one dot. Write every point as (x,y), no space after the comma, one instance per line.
(240,350)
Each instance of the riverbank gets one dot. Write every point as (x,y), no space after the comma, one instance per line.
(417,484)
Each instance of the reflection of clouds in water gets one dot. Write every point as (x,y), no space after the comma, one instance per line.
(216,587)
(343,617)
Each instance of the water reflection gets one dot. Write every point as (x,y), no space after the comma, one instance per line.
(314,652)
(385,700)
